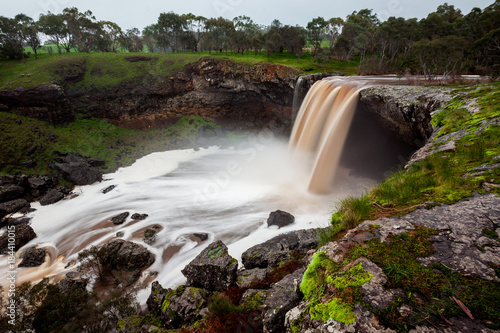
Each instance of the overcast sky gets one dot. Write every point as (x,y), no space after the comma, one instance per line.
(140,13)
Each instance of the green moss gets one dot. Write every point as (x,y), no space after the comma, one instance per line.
(322,280)
(253,301)
(335,309)
(214,253)
(355,276)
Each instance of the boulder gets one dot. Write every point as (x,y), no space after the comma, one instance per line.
(253,299)
(126,256)
(52,196)
(277,249)
(33,257)
(13,206)
(284,296)
(120,218)
(280,218)
(21,233)
(213,269)
(79,173)
(188,307)
(11,193)
(14,221)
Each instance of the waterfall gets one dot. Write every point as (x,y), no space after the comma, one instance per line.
(321,128)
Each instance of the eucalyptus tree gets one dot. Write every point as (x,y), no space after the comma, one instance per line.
(11,41)
(315,29)
(171,28)
(150,37)
(83,28)
(54,26)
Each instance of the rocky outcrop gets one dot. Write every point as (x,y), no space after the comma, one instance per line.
(47,102)
(460,242)
(52,196)
(404,111)
(213,269)
(225,92)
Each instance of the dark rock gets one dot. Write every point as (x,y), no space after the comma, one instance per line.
(33,257)
(31,150)
(108,189)
(155,299)
(280,218)
(79,173)
(139,217)
(278,248)
(188,307)
(28,164)
(120,218)
(38,184)
(126,256)
(52,196)
(201,237)
(213,269)
(120,234)
(14,221)
(13,206)
(283,296)
(96,162)
(149,236)
(247,276)
(21,233)
(10,193)
(68,285)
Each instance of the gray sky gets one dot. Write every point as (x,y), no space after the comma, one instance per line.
(140,13)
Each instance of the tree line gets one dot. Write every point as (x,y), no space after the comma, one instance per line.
(445,42)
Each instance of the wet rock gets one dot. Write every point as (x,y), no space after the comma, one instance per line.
(120,218)
(155,299)
(79,173)
(149,236)
(213,269)
(201,237)
(33,257)
(52,196)
(108,189)
(139,217)
(14,221)
(21,234)
(247,276)
(279,248)
(283,296)
(126,256)
(280,219)
(13,206)
(11,193)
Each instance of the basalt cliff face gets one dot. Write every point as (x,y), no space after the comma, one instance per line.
(227,93)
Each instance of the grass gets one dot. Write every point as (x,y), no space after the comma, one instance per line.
(104,70)
(87,137)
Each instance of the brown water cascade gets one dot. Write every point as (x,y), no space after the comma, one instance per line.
(322,126)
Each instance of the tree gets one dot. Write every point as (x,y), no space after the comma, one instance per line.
(333,28)
(83,28)
(170,30)
(29,32)
(55,28)
(150,36)
(112,33)
(315,29)
(11,42)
